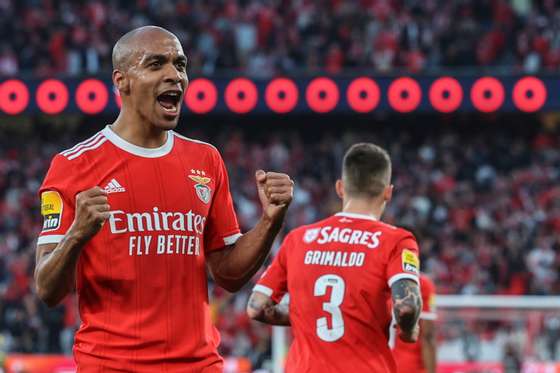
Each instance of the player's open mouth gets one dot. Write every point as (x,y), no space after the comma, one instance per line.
(170,101)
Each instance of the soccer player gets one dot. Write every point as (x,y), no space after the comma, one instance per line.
(340,273)
(135,214)
(420,356)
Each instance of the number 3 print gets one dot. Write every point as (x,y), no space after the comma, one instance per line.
(332,307)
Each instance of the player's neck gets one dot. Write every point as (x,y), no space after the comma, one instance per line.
(138,132)
(373,208)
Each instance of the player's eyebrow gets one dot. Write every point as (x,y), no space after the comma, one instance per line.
(181,58)
(155,57)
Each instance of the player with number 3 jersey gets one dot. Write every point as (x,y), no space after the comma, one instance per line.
(340,273)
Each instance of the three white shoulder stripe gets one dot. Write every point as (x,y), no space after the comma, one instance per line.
(81,144)
(91,147)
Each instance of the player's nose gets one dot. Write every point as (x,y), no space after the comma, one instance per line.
(174,76)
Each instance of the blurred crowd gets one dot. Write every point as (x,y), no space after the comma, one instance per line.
(267,37)
(483,201)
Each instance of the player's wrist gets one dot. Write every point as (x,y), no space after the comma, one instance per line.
(76,236)
(274,216)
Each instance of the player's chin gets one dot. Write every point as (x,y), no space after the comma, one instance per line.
(168,120)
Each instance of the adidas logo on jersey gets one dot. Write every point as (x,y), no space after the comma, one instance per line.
(114,187)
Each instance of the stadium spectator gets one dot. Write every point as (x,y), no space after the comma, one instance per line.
(277,36)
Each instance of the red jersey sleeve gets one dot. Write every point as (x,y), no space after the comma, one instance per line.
(222,228)
(403,260)
(428,290)
(274,281)
(57,194)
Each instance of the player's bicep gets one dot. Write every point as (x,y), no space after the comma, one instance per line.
(42,252)
(215,258)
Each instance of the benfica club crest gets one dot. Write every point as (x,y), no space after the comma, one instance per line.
(203,191)
(311,235)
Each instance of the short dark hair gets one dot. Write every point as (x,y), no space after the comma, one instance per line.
(366,170)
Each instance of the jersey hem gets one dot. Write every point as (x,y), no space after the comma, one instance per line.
(53,238)
(400,276)
(263,289)
(230,240)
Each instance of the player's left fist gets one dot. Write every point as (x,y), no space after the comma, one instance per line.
(276,191)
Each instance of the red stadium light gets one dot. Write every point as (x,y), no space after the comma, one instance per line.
(281,95)
(487,94)
(446,94)
(241,95)
(363,95)
(404,94)
(201,96)
(92,96)
(14,96)
(322,95)
(52,96)
(529,94)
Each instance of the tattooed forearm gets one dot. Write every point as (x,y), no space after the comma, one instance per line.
(407,304)
(262,308)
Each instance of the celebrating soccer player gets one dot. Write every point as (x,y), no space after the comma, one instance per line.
(340,273)
(420,356)
(132,217)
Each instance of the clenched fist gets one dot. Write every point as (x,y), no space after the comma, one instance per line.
(275,192)
(92,210)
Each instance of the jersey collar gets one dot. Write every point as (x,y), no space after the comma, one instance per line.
(138,150)
(356,216)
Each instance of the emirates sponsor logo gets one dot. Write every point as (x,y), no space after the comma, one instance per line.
(155,221)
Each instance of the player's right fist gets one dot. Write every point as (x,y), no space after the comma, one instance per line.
(92,210)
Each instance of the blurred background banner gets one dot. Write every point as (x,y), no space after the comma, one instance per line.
(28,363)
(285,95)
(17,363)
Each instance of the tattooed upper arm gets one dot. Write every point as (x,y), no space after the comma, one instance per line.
(407,303)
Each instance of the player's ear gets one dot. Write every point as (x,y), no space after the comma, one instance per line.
(388,193)
(120,81)
(339,187)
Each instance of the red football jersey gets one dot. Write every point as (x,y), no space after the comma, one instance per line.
(141,281)
(409,355)
(338,274)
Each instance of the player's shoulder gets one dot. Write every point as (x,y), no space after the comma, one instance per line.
(87,147)
(68,170)
(193,144)
(395,232)
(200,152)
